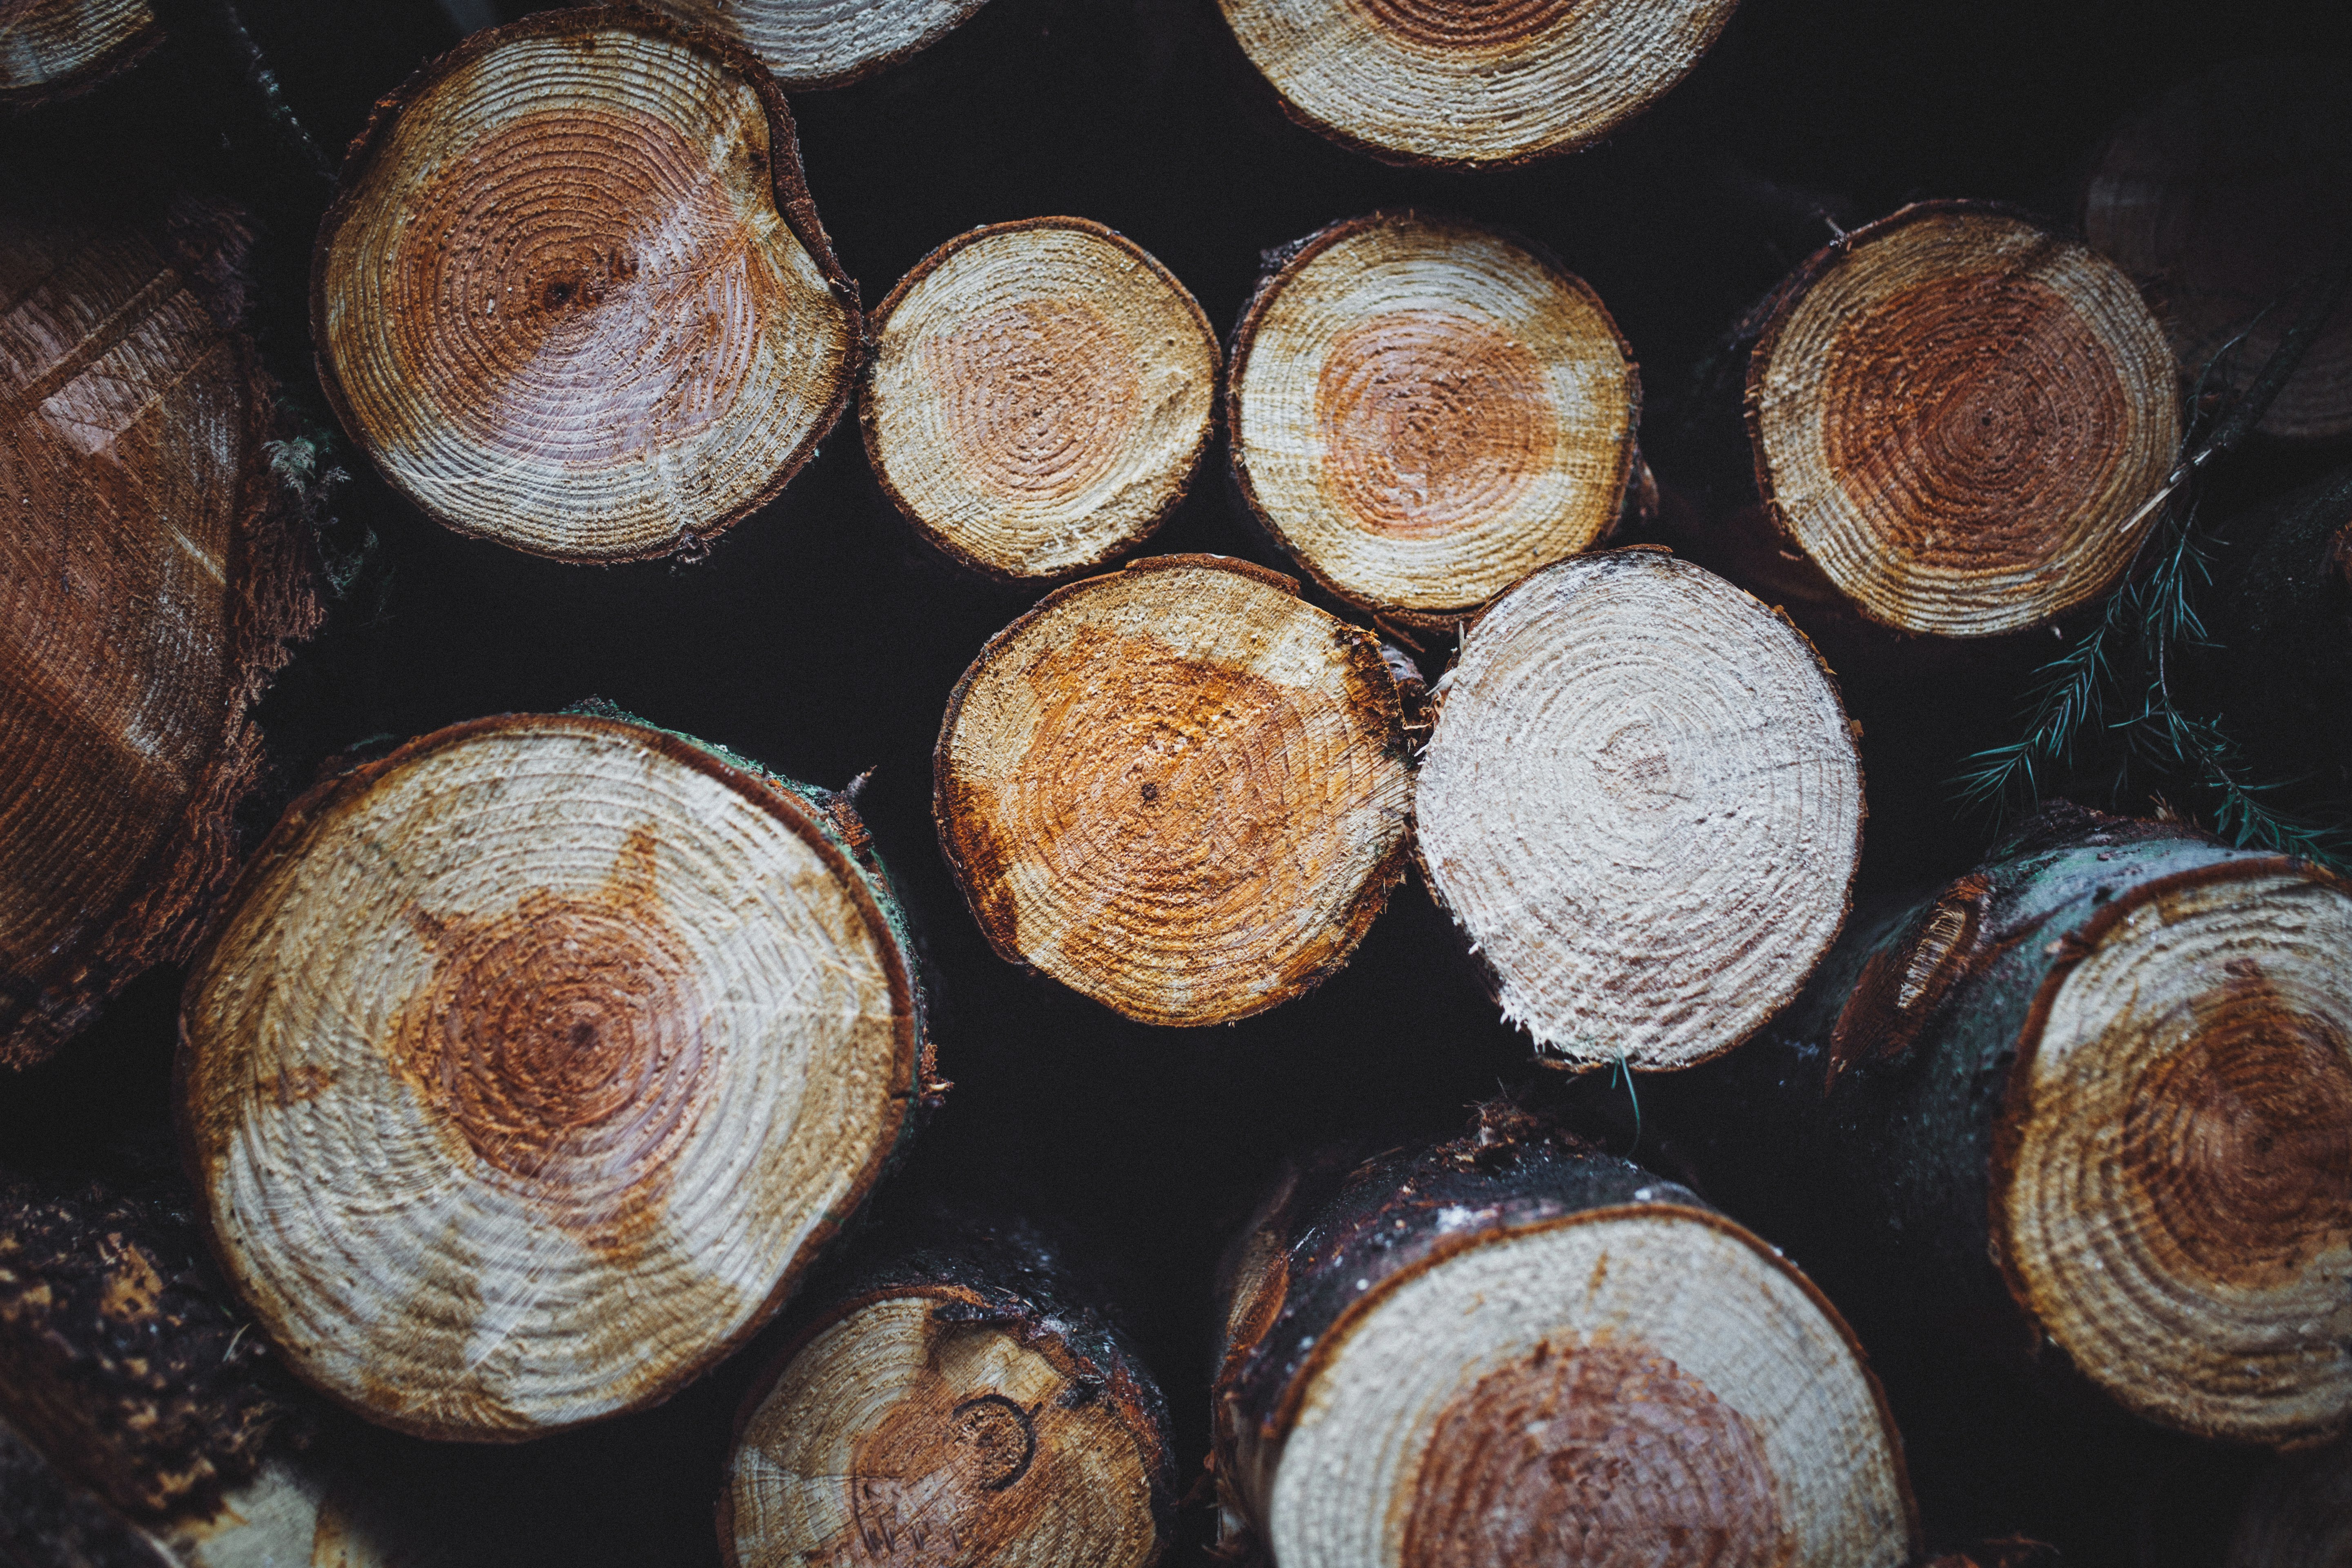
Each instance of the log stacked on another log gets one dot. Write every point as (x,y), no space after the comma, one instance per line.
(534,1064)
(1512,1348)
(811,44)
(56,49)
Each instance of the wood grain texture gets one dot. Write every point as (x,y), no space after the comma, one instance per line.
(54,48)
(150,574)
(1039,396)
(826,43)
(1467,82)
(532,1066)
(1642,804)
(1955,414)
(2220,197)
(1422,410)
(1178,789)
(2299,1514)
(573,295)
(1513,1348)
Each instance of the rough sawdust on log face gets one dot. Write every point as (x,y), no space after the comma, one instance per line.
(56,46)
(1424,411)
(1442,82)
(826,43)
(602,1037)
(559,305)
(901,1436)
(1643,805)
(1179,790)
(1591,1392)
(2178,1210)
(1957,415)
(1039,395)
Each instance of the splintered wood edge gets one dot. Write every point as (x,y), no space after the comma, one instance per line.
(2131,1293)
(788,185)
(132,33)
(1131,1408)
(1438,124)
(911,1053)
(1756,1011)
(1811,506)
(1178,476)
(1376,1529)
(808,75)
(1372,895)
(1293,260)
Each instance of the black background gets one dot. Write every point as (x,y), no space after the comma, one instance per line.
(813,639)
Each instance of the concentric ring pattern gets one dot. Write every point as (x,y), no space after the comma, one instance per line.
(560,307)
(826,43)
(47,45)
(518,1077)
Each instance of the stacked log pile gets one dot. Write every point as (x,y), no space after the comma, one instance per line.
(449,1118)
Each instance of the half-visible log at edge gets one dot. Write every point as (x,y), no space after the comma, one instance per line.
(52,50)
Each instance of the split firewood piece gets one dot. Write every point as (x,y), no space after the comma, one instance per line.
(573,296)
(1179,789)
(54,48)
(827,43)
(2225,197)
(1514,1348)
(2104,1084)
(1426,81)
(1643,805)
(1958,420)
(1425,410)
(153,570)
(534,1064)
(2299,1514)
(957,1391)
(1039,396)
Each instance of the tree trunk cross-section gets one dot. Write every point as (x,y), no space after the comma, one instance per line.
(1467,84)
(573,295)
(151,573)
(1425,410)
(1955,416)
(953,1403)
(1178,789)
(53,49)
(1039,396)
(1514,1349)
(2229,192)
(1643,805)
(534,1064)
(826,43)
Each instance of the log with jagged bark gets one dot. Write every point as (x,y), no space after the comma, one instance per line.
(957,1393)
(1514,1348)
(154,565)
(1422,410)
(1039,396)
(54,48)
(811,44)
(573,294)
(1178,789)
(1642,804)
(533,1063)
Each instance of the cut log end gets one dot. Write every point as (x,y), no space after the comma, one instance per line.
(1425,410)
(1039,395)
(1590,1391)
(1958,418)
(573,295)
(54,48)
(1434,81)
(1179,789)
(918,1428)
(810,44)
(2232,192)
(2174,1175)
(530,1066)
(1643,805)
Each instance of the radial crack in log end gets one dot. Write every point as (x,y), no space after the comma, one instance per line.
(1178,789)
(1039,396)
(2225,199)
(1958,418)
(826,43)
(1453,83)
(1424,410)
(56,49)
(1643,805)
(533,1065)
(573,295)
